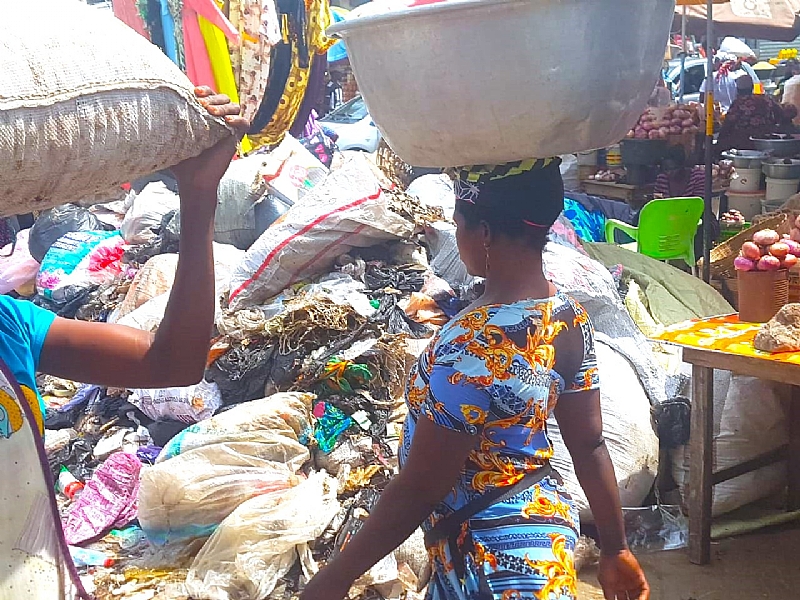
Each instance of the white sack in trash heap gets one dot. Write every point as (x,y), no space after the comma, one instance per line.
(631,441)
(147,210)
(188,496)
(148,316)
(86,104)
(261,540)
(749,420)
(346,210)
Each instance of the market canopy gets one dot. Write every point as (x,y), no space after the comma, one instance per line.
(775,20)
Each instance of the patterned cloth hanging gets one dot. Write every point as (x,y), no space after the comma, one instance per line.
(311,41)
(259,28)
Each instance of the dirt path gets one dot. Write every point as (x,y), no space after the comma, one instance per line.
(755,567)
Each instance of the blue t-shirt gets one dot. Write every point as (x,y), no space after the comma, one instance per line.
(23,329)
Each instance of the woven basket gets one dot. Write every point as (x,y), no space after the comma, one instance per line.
(394,167)
(723,255)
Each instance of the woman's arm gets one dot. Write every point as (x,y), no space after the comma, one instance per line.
(435,461)
(581,424)
(119,356)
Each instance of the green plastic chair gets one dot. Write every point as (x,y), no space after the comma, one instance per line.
(666,230)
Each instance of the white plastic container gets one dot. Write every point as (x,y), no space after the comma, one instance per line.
(467,82)
(746,180)
(747,203)
(781,189)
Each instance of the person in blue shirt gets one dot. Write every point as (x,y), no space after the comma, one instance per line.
(34,559)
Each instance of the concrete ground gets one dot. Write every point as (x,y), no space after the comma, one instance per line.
(765,565)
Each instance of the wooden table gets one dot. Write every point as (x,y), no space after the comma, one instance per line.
(724,343)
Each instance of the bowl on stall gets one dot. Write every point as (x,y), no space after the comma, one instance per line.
(781,168)
(489,81)
(779,145)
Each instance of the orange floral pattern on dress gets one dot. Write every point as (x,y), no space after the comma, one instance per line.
(560,573)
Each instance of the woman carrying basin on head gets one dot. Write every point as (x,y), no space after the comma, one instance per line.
(475,470)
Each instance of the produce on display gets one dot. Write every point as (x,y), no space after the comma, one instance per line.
(732,218)
(609,176)
(768,251)
(659,124)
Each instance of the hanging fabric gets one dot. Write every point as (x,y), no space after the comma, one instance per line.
(127,12)
(314,93)
(303,36)
(174,9)
(199,47)
(259,27)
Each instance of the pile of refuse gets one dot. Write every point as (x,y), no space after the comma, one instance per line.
(241,485)
(330,283)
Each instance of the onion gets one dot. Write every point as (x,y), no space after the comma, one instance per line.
(664,131)
(768,263)
(676,122)
(687,123)
(751,251)
(675,130)
(779,250)
(740,263)
(649,126)
(794,247)
(789,262)
(653,135)
(766,237)
(641,134)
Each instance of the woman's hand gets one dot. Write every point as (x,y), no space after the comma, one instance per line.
(622,578)
(203,173)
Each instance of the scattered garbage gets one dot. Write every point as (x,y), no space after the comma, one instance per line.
(57,222)
(330,284)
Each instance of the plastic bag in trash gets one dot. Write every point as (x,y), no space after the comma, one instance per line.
(77,262)
(189,495)
(147,211)
(57,222)
(245,209)
(656,528)
(261,540)
(154,279)
(108,500)
(285,414)
(17,266)
(188,404)
(347,210)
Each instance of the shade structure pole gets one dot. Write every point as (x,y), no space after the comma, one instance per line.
(707,212)
(683,54)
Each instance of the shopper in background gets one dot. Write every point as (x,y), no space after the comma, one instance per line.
(792,68)
(727,69)
(334,95)
(750,115)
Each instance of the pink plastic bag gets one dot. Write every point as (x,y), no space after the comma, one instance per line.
(19,268)
(108,501)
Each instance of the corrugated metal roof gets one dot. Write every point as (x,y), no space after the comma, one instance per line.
(767,50)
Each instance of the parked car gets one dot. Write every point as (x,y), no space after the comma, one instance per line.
(695,74)
(352,123)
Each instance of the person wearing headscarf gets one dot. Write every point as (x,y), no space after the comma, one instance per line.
(475,468)
(751,115)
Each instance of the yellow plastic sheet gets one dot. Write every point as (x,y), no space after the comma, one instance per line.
(723,334)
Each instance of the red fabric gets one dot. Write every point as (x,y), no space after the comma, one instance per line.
(125,11)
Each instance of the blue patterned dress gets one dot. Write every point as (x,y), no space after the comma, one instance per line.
(497,372)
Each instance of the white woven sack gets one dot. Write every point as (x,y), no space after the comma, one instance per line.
(87,104)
